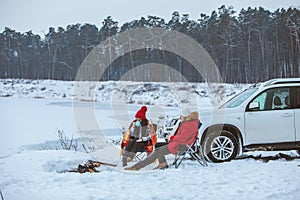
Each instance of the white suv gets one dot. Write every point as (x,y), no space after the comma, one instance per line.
(265,116)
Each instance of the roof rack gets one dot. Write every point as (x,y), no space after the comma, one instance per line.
(282,81)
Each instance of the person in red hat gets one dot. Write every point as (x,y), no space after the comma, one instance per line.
(140,138)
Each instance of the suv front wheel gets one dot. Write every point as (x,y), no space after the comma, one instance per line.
(220,146)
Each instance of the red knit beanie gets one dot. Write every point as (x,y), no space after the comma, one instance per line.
(141,113)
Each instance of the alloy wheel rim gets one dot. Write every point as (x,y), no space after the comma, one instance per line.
(222,148)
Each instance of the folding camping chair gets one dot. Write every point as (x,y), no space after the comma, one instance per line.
(194,150)
(143,152)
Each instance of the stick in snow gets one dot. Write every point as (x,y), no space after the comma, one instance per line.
(2,198)
(89,166)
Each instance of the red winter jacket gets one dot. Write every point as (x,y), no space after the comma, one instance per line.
(186,133)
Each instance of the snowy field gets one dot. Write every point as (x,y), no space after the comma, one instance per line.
(32,158)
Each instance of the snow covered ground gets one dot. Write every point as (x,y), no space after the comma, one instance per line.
(31,155)
(161,93)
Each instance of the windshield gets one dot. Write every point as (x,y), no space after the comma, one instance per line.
(239,99)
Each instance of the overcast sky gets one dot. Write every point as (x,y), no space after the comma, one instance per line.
(39,15)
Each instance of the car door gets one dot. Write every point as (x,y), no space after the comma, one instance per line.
(273,120)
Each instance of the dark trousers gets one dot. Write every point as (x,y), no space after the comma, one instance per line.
(132,148)
(159,154)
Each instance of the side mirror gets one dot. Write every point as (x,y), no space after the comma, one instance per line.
(254,106)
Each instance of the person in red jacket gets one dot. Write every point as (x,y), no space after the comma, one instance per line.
(185,134)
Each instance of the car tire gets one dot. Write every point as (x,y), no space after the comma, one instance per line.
(220,146)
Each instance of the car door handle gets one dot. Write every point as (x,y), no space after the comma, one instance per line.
(286,115)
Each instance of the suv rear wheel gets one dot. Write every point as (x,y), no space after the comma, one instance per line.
(220,146)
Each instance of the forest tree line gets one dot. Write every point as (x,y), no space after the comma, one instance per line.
(252,45)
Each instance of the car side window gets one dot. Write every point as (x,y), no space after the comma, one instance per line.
(273,99)
(261,99)
(281,99)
